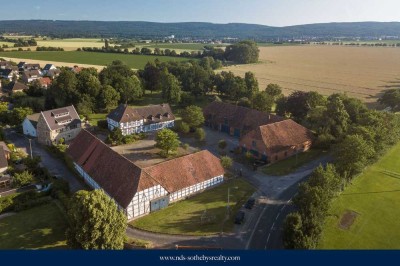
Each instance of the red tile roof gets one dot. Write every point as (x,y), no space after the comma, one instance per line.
(46,81)
(244,118)
(193,168)
(121,178)
(114,173)
(282,135)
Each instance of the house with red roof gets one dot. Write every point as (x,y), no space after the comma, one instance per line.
(277,141)
(138,191)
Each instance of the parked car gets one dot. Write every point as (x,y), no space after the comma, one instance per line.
(250,203)
(239,218)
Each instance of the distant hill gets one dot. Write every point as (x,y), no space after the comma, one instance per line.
(140,29)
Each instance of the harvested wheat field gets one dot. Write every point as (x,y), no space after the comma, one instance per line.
(362,72)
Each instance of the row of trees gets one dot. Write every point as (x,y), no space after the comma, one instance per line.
(358,136)
(50,48)
(20,42)
(244,52)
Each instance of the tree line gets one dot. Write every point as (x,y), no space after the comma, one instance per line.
(20,42)
(357,136)
(244,52)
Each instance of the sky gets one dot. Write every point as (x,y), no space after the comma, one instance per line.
(265,12)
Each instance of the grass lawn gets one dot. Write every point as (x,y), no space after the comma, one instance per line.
(42,227)
(375,197)
(91,58)
(184,217)
(289,165)
(94,118)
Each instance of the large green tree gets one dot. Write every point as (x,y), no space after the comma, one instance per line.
(171,87)
(193,116)
(262,101)
(351,155)
(95,222)
(244,52)
(108,98)
(251,84)
(167,140)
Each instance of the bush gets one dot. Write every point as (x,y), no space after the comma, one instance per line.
(21,206)
(222,144)
(226,162)
(185,146)
(22,179)
(182,127)
(6,203)
(200,134)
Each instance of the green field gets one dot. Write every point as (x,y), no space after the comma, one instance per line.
(91,58)
(41,227)
(375,197)
(184,217)
(290,164)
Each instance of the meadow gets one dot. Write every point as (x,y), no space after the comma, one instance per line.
(89,58)
(374,199)
(361,72)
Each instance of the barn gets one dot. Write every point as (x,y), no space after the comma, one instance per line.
(139,191)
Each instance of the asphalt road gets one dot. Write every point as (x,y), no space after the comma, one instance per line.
(54,165)
(268,233)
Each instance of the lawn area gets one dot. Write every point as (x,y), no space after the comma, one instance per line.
(94,118)
(184,217)
(41,227)
(375,197)
(289,165)
(91,58)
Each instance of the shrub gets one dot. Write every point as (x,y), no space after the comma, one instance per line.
(185,146)
(59,185)
(22,179)
(182,127)
(6,203)
(222,144)
(21,206)
(226,162)
(200,134)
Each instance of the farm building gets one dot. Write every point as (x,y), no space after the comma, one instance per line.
(139,191)
(29,125)
(144,119)
(54,125)
(235,120)
(277,141)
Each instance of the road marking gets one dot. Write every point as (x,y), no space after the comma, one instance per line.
(276,218)
(256,225)
(267,240)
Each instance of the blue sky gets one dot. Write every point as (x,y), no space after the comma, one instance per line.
(266,12)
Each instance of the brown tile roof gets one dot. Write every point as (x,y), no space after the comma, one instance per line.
(16,86)
(116,175)
(282,135)
(121,178)
(186,171)
(152,113)
(244,118)
(56,123)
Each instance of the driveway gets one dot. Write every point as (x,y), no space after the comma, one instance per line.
(54,165)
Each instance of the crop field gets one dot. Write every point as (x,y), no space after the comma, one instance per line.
(88,58)
(179,46)
(361,72)
(366,214)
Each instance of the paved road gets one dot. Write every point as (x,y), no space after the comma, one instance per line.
(54,165)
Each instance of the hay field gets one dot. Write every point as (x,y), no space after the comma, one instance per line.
(362,72)
(71,44)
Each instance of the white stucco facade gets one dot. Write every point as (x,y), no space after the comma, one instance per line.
(138,126)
